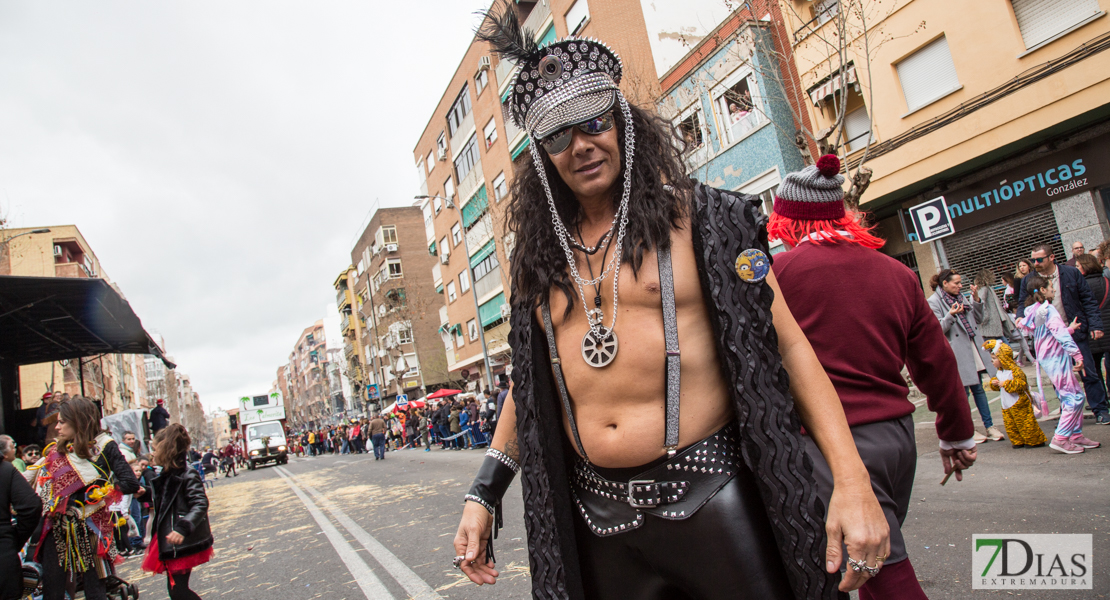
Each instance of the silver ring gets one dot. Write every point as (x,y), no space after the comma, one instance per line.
(458,561)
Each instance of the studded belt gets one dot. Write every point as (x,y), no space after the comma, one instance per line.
(673,490)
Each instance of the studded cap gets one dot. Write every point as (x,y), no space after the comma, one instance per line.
(571,81)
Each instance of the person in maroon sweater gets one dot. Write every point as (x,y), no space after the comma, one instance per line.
(866,316)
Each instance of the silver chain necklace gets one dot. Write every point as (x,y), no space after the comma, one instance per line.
(599,345)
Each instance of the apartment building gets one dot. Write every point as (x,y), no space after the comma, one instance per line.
(357,367)
(729,94)
(463,178)
(118,381)
(998,107)
(306,402)
(396,308)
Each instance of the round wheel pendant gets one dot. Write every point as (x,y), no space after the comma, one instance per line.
(599,352)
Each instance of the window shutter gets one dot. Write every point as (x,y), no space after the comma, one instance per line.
(928,74)
(1041,19)
(577,15)
(857,129)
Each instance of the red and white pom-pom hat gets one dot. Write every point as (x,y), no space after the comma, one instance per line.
(815,193)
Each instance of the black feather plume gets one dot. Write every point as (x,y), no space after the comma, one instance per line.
(501,28)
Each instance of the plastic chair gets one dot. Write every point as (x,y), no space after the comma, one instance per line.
(203,479)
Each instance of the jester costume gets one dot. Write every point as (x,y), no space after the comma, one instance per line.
(76,531)
(1017,407)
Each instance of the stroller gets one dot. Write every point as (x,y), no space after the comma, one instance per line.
(117,588)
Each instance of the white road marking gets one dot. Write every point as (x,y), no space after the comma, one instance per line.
(416,587)
(371,586)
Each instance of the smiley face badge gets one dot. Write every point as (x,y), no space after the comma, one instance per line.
(752,266)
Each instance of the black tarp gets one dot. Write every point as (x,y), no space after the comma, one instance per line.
(44,319)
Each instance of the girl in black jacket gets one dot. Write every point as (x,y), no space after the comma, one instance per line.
(182,539)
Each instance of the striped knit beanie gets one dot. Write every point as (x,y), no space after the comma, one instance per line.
(813,194)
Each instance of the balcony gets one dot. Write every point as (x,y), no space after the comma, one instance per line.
(463,133)
(470,184)
(72,270)
(503,73)
(437,275)
(443,316)
(342,299)
(497,338)
(489,283)
(480,233)
(540,12)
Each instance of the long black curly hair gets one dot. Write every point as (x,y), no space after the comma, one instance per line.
(656,206)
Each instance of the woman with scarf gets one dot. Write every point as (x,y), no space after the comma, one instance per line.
(960,321)
(82,474)
(182,539)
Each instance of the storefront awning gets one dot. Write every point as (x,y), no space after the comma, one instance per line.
(44,319)
(832,86)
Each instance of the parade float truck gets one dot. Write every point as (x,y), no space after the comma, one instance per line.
(262,422)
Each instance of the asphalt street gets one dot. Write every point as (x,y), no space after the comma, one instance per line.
(349,527)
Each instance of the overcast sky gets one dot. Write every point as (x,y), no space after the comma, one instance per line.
(220,157)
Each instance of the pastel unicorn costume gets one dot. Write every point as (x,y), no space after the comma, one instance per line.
(1017,407)
(1057,354)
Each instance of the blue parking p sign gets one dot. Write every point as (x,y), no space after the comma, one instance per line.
(931,220)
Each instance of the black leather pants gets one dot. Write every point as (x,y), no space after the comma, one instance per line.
(725,550)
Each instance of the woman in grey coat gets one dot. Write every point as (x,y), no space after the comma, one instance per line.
(960,320)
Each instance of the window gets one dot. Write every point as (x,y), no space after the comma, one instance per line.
(483,268)
(438,204)
(1042,20)
(421,174)
(389,234)
(472,329)
(441,143)
(428,219)
(857,129)
(511,130)
(458,111)
(481,80)
(578,16)
(460,341)
(413,364)
(690,130)
(404,336)
(928,75)
(467,158)
(456,234)
(736,106)
(451,295)
(449,188)
(464,281)
(499,188)
(491,133)
(825,10)
(443,247)
(394,266)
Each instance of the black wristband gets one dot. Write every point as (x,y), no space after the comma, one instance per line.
(492,481)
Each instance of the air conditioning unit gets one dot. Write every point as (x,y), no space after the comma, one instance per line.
(57,250)
(381,310)
(445,258)
(442,155)
(506,310)
(391,247)
(483,63)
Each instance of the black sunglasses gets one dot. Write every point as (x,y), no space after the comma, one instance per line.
(560,141)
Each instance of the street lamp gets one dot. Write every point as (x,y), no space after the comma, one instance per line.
(473,292)
(44,230)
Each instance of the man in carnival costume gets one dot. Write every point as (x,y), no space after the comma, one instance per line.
(866,316)
(623,498)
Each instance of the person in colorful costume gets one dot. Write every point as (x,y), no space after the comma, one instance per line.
(1017,405)
(1061,360)
(80,476)
(661,457)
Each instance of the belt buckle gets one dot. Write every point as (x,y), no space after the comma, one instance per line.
(632,499)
